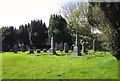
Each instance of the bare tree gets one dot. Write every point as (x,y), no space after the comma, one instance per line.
(74,10)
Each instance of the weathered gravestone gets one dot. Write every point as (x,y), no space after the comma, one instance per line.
(44,50)
(15,48)
(94,47)
(61,46)
(23,48)
(66,48)
(52,49)
(31,51)
(38,50)
(83,48)
(76,49)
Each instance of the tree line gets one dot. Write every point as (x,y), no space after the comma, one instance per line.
(37,35)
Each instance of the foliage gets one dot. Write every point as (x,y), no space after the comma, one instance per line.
(58,26)
(23,35)
(34,34)
(105,17)
(76,15)
(9,38)
(38,33)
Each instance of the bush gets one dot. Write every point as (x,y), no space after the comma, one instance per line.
(104,46)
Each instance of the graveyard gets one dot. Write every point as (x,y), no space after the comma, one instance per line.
(59,63)
(79,41)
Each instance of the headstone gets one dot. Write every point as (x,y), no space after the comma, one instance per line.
(83,48)
(66,48)
(23,48)
(94,47)
(44,50)
(38,50)
(56,46)
(76,50)
(31,51)
(52,49)
(61,46)
(15,48)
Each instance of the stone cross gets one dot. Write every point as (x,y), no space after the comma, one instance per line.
(65,48)
(76,50)
(52,49)
(76,39)
(94,48)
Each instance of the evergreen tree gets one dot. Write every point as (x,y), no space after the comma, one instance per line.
(58,26)
(105,17)
(8,38)
(23,35)
(38,33)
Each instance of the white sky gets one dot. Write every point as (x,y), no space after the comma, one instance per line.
(18,12)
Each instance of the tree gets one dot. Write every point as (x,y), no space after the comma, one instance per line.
(23,35)
(58,26)
(76,15)
(9,38)
(105,17)
(38,34)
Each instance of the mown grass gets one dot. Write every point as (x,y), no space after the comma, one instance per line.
(95,65)
(0,67)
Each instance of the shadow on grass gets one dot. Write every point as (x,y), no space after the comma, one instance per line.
(63,54)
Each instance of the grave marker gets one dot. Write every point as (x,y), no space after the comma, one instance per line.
(76,50)
(66,48)
(15,48)
(83,48)
(94,48)
(52,49)
(31,51)
(38,50)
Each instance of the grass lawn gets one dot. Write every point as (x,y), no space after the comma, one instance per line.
(96,65)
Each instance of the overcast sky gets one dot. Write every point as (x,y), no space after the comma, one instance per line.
(18,12)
